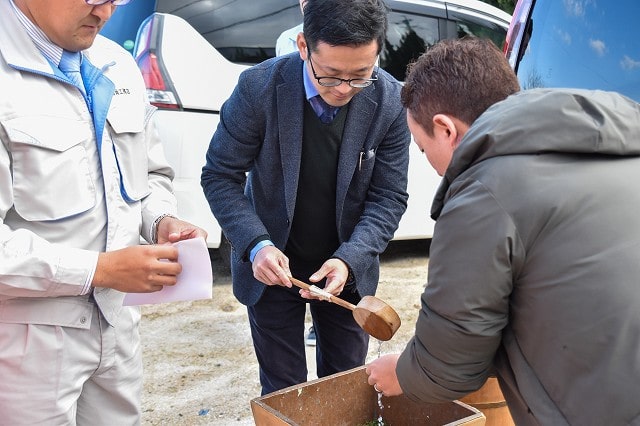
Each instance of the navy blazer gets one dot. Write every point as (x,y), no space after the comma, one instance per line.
(250,178)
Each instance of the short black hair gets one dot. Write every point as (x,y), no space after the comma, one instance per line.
(345,22)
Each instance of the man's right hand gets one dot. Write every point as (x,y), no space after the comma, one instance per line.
(271,267)
(138,269)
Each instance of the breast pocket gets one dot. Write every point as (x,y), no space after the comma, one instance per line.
(50,165)
(130,144)
(366,163)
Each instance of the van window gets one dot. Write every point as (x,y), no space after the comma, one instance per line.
(243,31)
(407,37)
(590,45)
(410,34)
(494,32)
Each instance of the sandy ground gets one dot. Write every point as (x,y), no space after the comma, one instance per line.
(200,368)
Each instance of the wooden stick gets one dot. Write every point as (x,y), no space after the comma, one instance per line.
(322,294)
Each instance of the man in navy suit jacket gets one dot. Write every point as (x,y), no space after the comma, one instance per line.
(306,174)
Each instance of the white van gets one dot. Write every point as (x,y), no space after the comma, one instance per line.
(192,51)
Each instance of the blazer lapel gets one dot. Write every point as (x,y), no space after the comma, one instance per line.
(290,107)
(361,111)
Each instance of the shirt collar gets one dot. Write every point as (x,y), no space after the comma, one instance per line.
(50,50)
(309,88)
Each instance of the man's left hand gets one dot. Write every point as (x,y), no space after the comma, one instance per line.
(335,271)
(171,230)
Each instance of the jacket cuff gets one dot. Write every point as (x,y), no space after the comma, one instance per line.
(257,244)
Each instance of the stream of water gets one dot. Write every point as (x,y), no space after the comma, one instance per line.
(380,404)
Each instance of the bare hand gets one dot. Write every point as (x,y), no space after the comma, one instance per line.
(271,267)
(382,375)
(138,269)
(170,230)
(336,272)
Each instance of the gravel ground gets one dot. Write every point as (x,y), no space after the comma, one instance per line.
(200,368)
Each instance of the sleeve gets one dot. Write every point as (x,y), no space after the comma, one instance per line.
(286,41)
(465,306)
(31,266)
(161,200)
(233,149)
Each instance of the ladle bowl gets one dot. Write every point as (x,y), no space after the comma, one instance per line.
(374,316)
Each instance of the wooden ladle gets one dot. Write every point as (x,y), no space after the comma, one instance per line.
(373,315)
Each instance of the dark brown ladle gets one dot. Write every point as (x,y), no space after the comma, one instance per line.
(373,315)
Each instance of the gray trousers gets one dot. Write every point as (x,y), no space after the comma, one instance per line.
(58,375)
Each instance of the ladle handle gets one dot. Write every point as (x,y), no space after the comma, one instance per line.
(316,291)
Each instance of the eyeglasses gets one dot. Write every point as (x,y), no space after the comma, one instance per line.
(113,2)
(357,83)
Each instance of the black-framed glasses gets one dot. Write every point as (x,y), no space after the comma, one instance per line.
(357,83)
(113,2)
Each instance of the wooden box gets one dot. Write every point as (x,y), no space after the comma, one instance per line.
(347,399)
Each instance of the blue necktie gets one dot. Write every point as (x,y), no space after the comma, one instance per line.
(325,112)
(70,66)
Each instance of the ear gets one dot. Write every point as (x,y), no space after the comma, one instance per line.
(445,129)
(302,46)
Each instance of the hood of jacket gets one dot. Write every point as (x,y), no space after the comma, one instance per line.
(536,121)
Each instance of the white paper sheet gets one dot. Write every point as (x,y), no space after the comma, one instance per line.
(195,282)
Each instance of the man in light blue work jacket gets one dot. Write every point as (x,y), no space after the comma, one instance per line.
(82,179)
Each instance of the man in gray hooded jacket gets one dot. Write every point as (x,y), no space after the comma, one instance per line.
(535,259)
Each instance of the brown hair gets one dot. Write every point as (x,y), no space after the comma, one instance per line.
(461,78)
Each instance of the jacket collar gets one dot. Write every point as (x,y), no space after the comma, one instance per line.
(539,121)
(18,49)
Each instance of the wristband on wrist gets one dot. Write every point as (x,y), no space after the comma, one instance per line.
(154,227)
